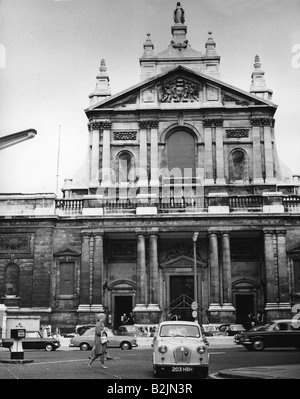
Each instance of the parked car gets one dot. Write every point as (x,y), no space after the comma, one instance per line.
(129,329)
(86,340)
(278,334)
(81,329)
(179,347)
(232,329)
(34,340)
(211,330)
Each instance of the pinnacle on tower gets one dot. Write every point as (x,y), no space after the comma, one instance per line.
(102,89)
(148,47)
(258,83)
(210,45)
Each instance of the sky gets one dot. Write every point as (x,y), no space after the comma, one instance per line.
(50,54)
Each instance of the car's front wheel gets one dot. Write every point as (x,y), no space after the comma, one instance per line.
(125,345)
(84,346)
(49,348)
(258,344)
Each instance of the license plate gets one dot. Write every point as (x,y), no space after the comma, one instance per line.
(182,369)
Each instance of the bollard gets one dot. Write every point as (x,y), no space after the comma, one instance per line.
(17,351)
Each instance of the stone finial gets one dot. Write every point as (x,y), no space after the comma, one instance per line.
(257,63)
(103,66)
(210,45)
(148,47)
(179,14)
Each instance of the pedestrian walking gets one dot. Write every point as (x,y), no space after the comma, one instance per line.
(100,341)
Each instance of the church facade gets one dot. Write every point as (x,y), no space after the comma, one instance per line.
(182,205)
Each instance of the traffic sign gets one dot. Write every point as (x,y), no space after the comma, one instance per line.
(194,314)
(194,305)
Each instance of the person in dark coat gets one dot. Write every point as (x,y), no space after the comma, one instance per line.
(99,348)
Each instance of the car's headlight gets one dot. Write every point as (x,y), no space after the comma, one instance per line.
(201,349)
(163,349)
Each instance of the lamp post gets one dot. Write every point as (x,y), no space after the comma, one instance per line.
(195,236)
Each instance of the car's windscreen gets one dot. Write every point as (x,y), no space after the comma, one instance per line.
(179,331)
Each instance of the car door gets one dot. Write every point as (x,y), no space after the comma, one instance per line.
(112,339)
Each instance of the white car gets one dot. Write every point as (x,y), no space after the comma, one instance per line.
(180,348)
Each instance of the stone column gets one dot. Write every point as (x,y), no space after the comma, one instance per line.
(208,159)
(214,270)
(141,269)
(85,270)
(106,154)
(154,281)
(257,156)
(97,287)
(226,260)
(220,153)
(270,270)
(283,286)
(94,179)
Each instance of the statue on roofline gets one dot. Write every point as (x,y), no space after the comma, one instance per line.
(179,14)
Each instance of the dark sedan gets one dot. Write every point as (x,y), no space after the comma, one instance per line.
(278,334)
(33,340)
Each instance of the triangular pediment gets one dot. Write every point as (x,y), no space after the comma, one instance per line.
(67,251)
(182,261)
(179,87)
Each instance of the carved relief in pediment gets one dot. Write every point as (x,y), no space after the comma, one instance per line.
(182,255)
(179,90)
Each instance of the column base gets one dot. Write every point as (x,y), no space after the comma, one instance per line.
(84,308)
(98,308)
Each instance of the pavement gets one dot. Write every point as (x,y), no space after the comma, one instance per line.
(281,371)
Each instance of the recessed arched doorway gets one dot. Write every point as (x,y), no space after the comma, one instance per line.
(244,300)
(122,300)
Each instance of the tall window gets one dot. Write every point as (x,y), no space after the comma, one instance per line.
(12,274)
(238,166)
(125,167)
(67,279)
(181,153)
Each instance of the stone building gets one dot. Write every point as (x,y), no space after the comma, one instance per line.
(183,199)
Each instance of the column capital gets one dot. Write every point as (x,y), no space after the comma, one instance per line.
(98,233)
(269,232)
(212,122)
(262,121)
(140,233)
(99,125)
(148,124)
(213,233)
(86,233)
(281,232)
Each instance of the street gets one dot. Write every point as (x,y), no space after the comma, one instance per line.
(68,363)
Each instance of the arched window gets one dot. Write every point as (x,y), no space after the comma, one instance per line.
(181,153)
(12,274)
(238,166)
(125,167)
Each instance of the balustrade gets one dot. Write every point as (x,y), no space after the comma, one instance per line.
(172,204)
